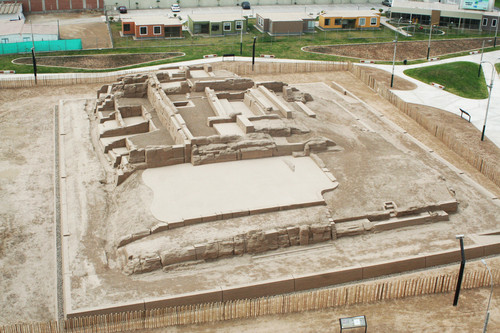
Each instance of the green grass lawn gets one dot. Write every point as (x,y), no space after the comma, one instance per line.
(196,46)
(459,78)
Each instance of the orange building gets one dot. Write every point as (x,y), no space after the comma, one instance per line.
(152,27)
(354,19)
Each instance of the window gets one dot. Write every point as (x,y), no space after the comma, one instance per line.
(485,21)
(227,26)
(215,27)
(362,22)
(327,21)
(373,21)
(157,30)
(239,25)
(338,21)
(143,30)
(310,25)
(261,21)
(5,40)
(494,23)
(26,39)
(126,27)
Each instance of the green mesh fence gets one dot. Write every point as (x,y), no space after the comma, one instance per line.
(42,46)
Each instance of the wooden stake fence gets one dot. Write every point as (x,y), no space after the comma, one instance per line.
(250,308)
(487,167)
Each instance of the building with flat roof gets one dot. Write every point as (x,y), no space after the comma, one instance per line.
(11,11)
(151,27)
(216,24)
(351,19)
(285,23)
(474,14)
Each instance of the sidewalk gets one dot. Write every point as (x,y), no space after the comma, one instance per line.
(432,96)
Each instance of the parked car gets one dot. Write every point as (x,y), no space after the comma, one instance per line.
(387,3)
(245,5)
(175,7)
(122,10)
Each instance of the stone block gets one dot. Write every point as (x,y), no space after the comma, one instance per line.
(271,238)
(304,235)
(175,224)
(137,156)
(255,152)
(320,233)
(178,255)
(255,242)
(283,240)
(226,249)
(293,235)
(239,245)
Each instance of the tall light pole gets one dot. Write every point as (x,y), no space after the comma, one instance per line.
(429,45)
(462,267)
(253,52)
(489,97)
(489,300)
(496,30)
(394,60)
(394,56)
(480,61)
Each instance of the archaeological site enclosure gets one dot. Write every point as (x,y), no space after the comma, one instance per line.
(194,184)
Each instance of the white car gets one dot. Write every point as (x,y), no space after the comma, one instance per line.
(175,7)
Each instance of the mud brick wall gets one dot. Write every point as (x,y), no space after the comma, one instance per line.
(227,84)
(167,112)
(256,241)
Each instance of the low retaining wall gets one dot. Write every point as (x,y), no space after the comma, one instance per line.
(215,307)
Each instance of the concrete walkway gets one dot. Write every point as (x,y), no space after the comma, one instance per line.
(432,96)
(385,22)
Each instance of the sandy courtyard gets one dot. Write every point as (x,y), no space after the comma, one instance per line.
(185,191)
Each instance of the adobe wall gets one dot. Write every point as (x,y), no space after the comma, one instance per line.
(298,282)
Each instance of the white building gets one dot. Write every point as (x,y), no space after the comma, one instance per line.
(18,31)
(11,12)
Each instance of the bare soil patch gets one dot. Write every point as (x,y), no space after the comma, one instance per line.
(98,61)
(405,50)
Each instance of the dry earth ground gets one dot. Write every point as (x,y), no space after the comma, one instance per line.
(104,61)
(405,50)
(376,163)
(94,34)
(26,197)
(27,243)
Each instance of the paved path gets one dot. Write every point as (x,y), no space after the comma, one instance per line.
(429,95)
(385,22)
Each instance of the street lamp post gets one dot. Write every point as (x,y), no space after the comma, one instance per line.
(429,45)
(462,267)
(489,97)
(489,300)
(394,56)
(480,61)
(253,52)
(394,60)
(496,31)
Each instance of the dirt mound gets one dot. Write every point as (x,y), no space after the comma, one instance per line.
(405,50)
(105,61)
